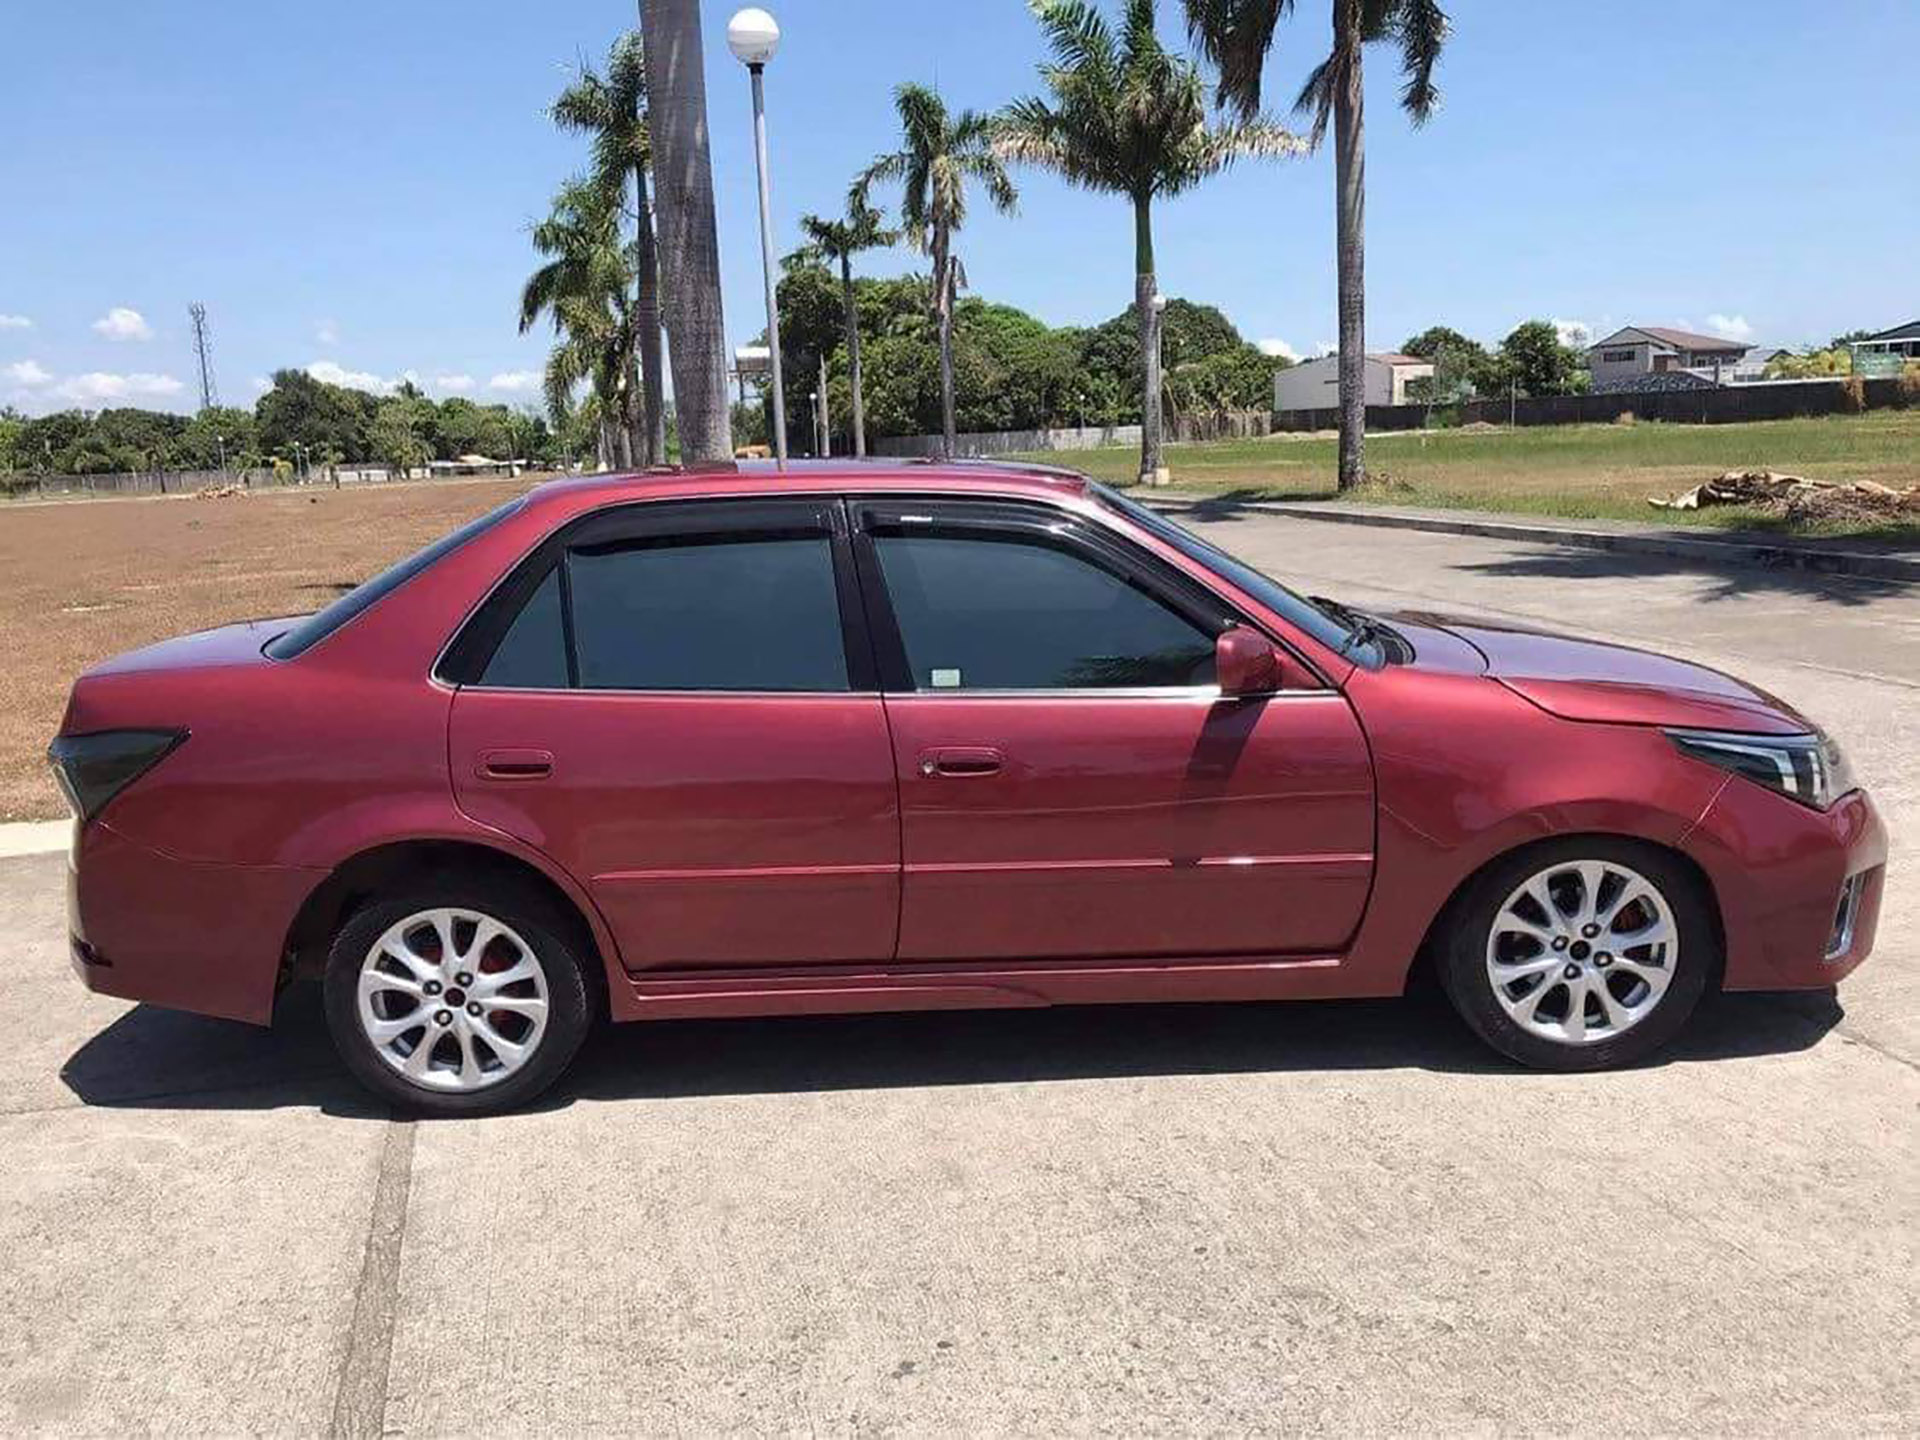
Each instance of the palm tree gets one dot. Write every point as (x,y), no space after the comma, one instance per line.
(942,151)
(585,286)
(689,241)
(836,242)
(1236,35)
(1128,118)
(612,110)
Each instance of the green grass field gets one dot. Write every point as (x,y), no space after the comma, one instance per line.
(1573,471)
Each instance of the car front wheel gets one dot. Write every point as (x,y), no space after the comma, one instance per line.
(454,999)
(1580,955)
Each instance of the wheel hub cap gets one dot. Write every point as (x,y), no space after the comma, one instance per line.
(453,1000)
(1541,956)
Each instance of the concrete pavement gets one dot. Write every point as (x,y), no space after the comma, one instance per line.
(1158,1218)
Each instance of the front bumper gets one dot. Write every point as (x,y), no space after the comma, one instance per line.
(145,925)
(1780,872)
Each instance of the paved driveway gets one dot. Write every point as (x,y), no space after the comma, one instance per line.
(1180,1218)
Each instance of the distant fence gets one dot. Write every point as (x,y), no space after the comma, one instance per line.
(1233,425)
(1723,405)
(186,482)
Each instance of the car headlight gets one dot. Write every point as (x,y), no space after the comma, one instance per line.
(1807,768)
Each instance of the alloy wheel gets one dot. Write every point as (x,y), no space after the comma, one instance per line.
(1582,951)
(452,999)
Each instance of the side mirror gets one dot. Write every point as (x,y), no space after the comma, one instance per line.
(1245,663)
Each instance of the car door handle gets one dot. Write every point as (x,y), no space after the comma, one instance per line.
(962,760)
(515,764)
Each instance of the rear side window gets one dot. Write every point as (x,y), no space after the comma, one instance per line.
(1010,613)
(315,628)
(704,613)
(533,653)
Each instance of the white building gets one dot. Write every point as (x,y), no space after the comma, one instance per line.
(1315,384)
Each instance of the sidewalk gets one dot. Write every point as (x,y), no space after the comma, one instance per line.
(1844,555)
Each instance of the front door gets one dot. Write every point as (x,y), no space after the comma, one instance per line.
(675,714)
(1072,784)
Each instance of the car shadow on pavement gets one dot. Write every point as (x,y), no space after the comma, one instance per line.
(1726,582)
(160,1059)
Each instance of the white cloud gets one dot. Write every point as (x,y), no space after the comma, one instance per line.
(328,373)
(1576,333)
(1325,347)
(26,372)
(1278,348)
(515,380)
(15,322)
(453,384)
(97,387)
(261,382)
(1734,327)
(327,332)
(121,323)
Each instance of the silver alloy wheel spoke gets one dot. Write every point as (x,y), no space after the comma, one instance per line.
(434,1040)
(1560,982)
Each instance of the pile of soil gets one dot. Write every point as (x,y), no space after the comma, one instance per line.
(1797,498)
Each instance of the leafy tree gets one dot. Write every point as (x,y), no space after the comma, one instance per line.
(1236,35)
(585,287)
(218,433)
(612,110)
(940,152)
(12,426)
(836,242)
(1537,363)
(328,420)
(398,433)
(1834,360)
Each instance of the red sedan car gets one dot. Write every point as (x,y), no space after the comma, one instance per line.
(738,741)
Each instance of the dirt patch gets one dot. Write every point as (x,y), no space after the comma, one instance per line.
(1797,499)
(87,580)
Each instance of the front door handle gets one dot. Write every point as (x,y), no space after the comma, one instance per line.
(514,764)
(962,760)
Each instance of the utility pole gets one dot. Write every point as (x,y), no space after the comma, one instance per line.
(203,353)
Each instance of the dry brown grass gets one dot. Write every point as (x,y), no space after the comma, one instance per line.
(87,579)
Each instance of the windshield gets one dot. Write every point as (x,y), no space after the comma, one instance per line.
(1330,631)
(315,628)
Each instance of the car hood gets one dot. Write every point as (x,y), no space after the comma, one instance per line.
(1590,680)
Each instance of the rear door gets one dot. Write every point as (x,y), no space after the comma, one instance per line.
(1072,783)
(676,701)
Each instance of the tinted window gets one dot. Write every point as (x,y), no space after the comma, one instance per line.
(315,628)
(1002,613)
(532,655)
(700,613)
(1328,630)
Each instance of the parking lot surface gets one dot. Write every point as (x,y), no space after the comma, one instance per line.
(1205,1218)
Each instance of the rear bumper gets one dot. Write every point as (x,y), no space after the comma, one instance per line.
(1780,872)
(149,926)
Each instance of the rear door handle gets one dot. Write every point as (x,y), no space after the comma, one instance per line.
(962,760)
(514,764)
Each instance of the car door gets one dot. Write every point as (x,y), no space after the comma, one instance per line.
(676,702)
(1072,783)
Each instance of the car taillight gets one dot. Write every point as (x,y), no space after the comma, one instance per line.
(92,769)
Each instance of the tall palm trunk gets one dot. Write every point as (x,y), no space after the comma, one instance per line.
(689,240)
(1145,289)
(943,321)
(646,320)
(853,355)
(1350,203)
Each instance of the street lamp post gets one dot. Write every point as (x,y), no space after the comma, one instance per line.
(753,36)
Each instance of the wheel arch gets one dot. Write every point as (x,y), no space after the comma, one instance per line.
(361,876)
(1421,970)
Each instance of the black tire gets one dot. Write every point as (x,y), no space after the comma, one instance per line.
(1462,955)
(572,996)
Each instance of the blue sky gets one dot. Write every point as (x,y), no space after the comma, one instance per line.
(348,185)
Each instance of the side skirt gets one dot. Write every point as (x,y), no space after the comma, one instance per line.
(997,984)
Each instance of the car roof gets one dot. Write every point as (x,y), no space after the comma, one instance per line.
(797,477)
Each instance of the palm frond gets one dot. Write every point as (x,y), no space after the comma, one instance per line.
(1236,36)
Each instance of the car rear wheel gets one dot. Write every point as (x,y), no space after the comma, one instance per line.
(454,999)
(1580,955)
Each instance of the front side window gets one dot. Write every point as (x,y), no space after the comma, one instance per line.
(1003,612)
